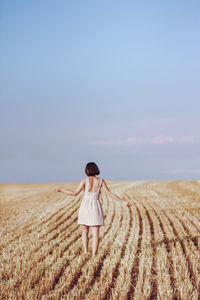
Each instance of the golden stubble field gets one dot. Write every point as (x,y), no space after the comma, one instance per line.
(150,250)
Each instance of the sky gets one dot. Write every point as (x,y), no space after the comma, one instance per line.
(111,82)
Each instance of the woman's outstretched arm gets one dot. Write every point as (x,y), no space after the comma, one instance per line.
(111,194)
(78,190)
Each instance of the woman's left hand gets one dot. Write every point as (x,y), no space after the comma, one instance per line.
(58,190)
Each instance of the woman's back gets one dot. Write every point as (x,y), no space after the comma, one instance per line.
(90,212)
(93,184)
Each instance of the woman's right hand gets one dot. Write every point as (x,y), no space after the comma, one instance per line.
(127,203)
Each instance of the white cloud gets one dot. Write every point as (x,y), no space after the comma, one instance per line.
(156,140)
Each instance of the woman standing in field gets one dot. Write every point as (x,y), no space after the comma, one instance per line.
(90,212)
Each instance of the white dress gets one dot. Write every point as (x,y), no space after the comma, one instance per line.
(90,212)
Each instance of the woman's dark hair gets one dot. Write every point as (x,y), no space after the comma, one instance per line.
(91,169)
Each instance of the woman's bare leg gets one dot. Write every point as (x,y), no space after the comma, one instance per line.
(85,230)
(95,239)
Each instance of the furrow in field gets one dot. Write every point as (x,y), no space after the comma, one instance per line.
(115,273)
(166,277)
(175,284)
(189,248)
(186,214)
(144,281)
(60,280)
(52,227)
(169,194)
(99,259)
(42,260)
(110,270)
(153,292)
(111,266)
(135,265)
(143,286)
(63,237)
(174,237)
(189,228)
(55,256)
(155,196)
(29,228)
(180,261)
(33,240)
(67,210)
(189,244)
(44,225)
(33,209)
(123,258)
(165,272)
(46,252)
(193,219)
(90,282)
(77,275)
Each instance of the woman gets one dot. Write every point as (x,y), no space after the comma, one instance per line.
(91,212)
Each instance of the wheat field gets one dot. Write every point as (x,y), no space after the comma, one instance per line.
(150,250)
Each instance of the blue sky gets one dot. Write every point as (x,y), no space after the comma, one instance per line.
(115,82)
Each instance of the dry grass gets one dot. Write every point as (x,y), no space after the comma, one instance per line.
(147,251)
